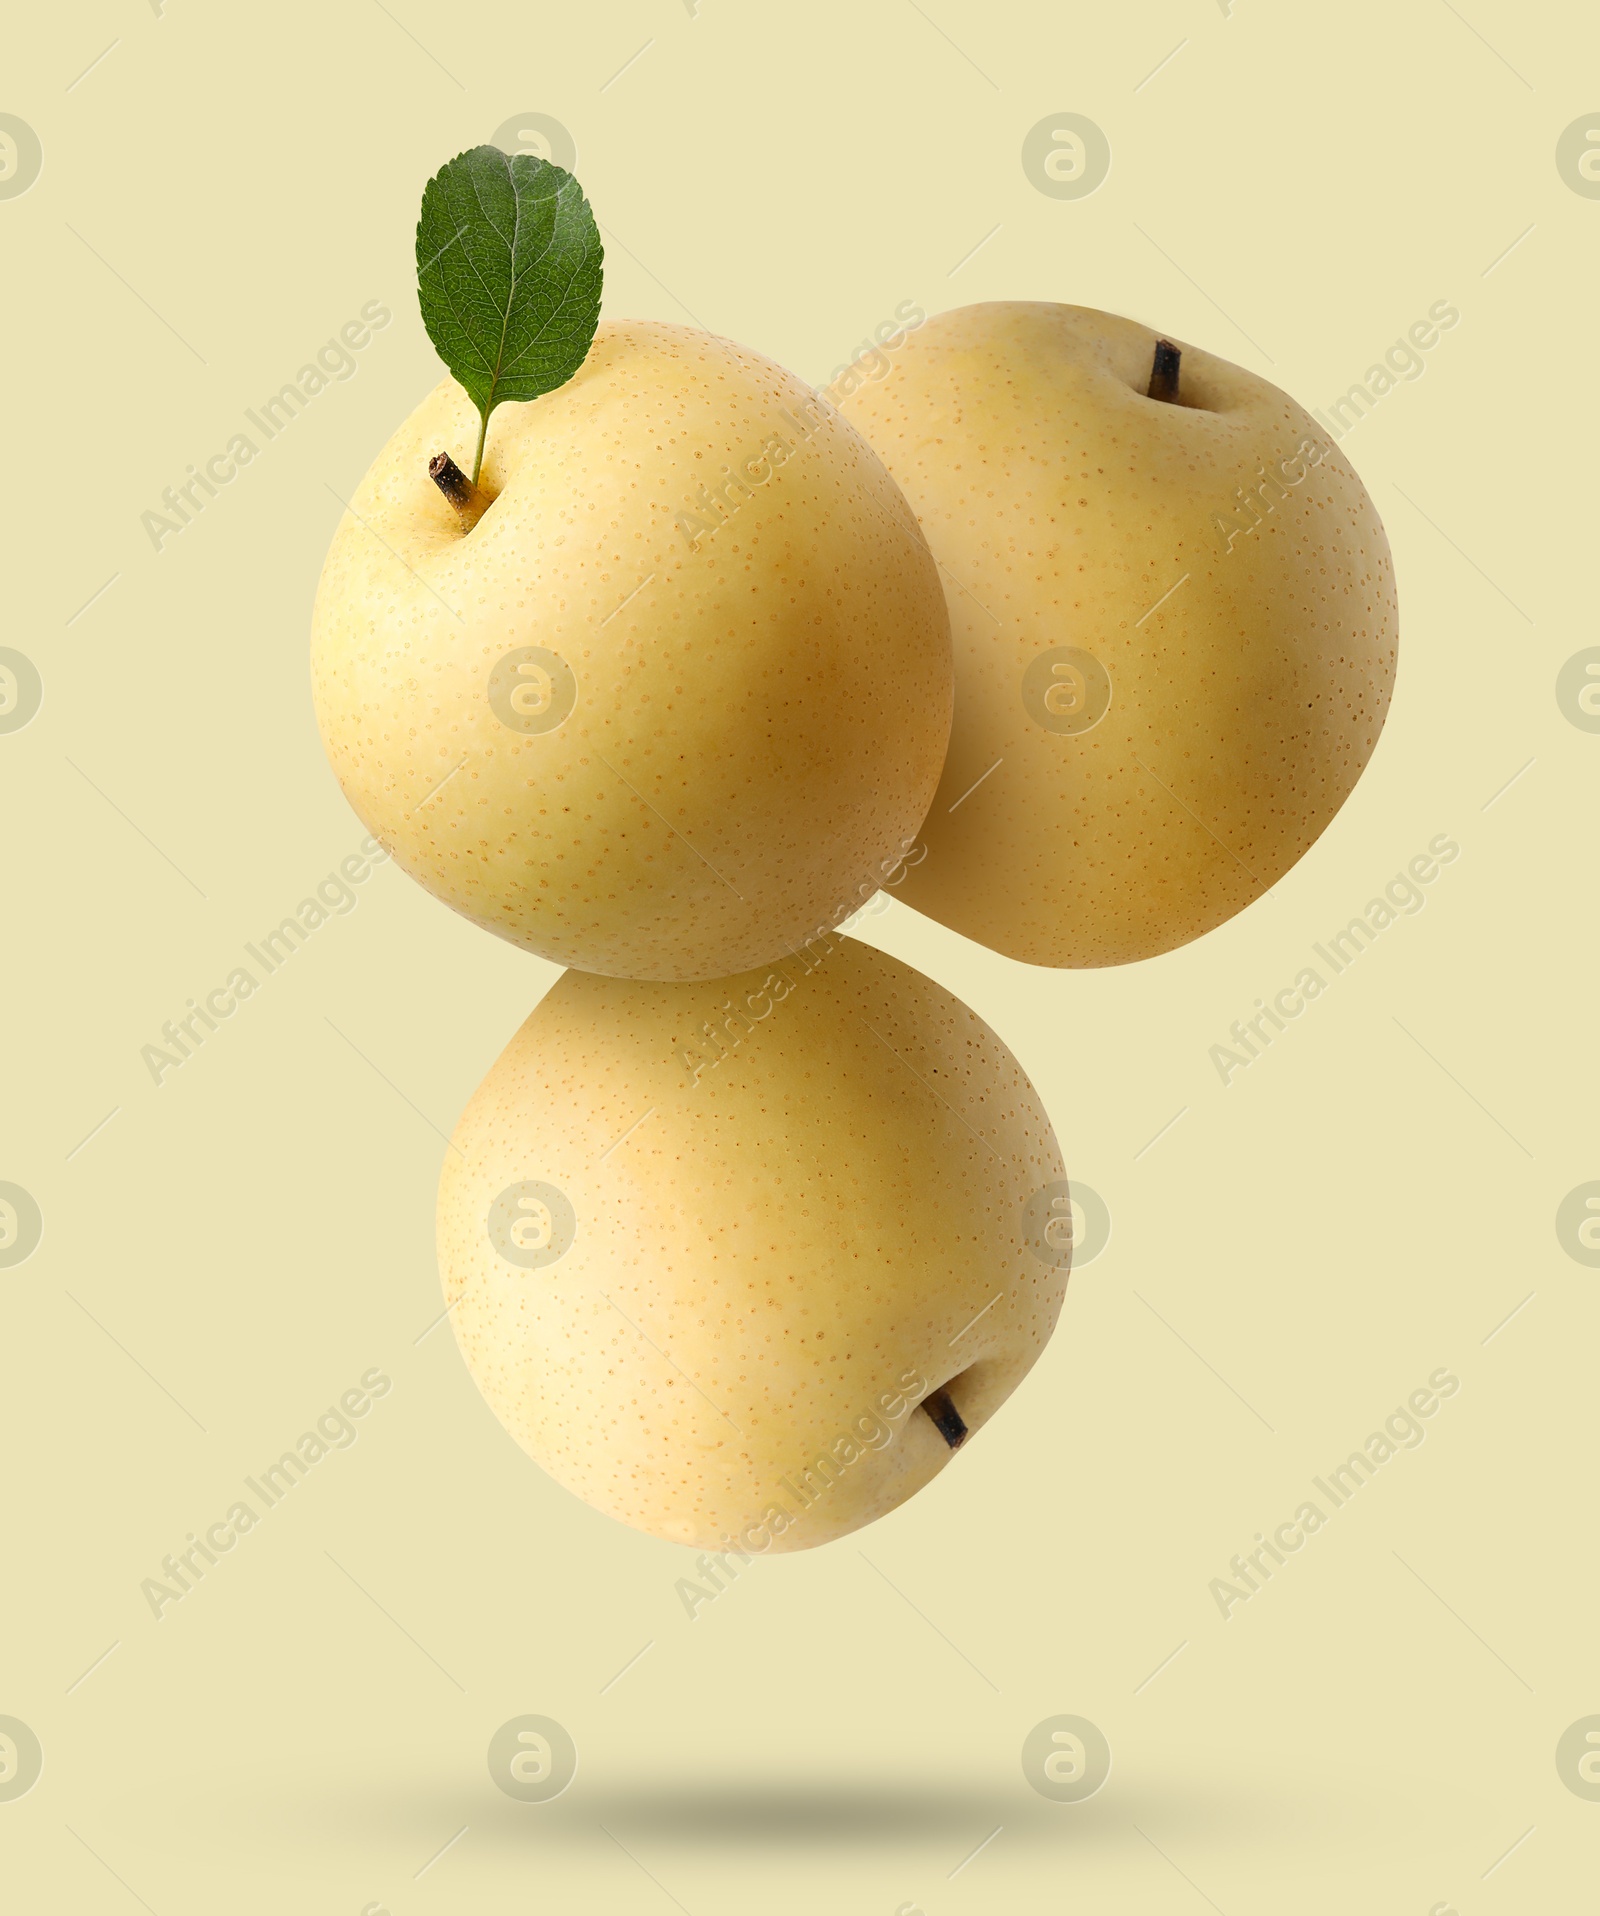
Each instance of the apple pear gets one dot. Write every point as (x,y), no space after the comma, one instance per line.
(1174,617)
(670,692)
(744,1263)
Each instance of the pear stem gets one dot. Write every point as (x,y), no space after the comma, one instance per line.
(1164,373)
(947,1420)
(470,501)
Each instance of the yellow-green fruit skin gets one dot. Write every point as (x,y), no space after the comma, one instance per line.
(1249,670)
(780,1240)
(763,688)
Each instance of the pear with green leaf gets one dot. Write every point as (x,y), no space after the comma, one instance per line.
(628,647)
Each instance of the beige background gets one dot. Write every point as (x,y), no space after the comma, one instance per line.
(307,1729)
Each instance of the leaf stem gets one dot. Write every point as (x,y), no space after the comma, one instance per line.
(483,434)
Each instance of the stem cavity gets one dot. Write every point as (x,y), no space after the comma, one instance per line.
(470,500)
(1164,373)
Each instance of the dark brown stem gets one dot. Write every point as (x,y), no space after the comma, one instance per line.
(1164,373)
(471,502)
(947,1420)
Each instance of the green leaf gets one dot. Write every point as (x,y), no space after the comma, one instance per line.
(509,265)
